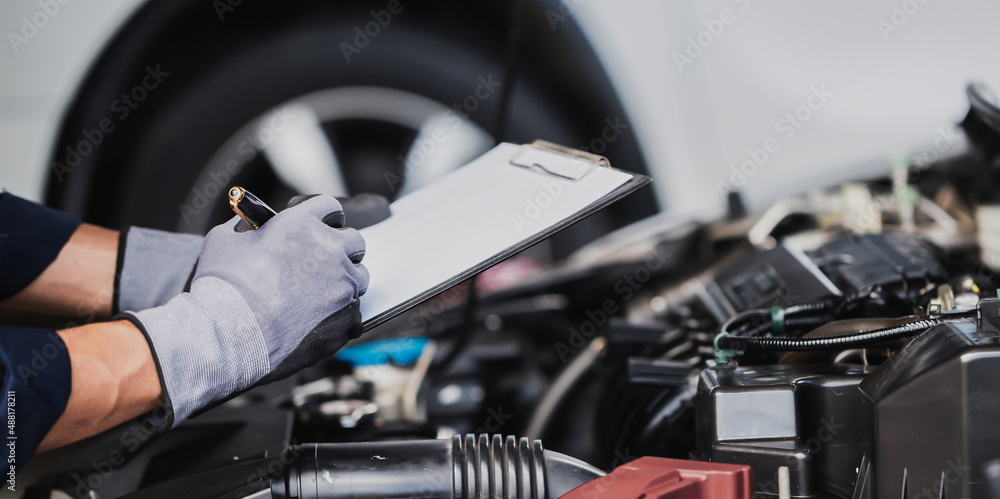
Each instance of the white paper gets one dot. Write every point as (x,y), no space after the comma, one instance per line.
(466,218)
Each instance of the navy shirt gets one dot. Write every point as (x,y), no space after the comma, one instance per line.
(34,363)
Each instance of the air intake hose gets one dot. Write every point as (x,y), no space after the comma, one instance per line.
(463,467)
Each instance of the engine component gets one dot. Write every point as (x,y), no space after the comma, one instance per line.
(783,275)
(940,392)
(843,344)
(895,265)
(810,419)
(921,424)
(458,468)
(896,261)
(466,467)
(841,306)
(660,478)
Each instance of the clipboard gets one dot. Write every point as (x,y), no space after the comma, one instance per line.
(494,207)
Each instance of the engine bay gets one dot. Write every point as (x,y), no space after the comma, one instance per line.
(843,343)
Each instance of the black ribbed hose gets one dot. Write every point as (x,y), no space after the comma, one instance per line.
(462,467)
(750,343)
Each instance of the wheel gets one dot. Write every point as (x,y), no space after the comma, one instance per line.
(302,97)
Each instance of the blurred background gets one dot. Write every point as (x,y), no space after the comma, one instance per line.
(142,112)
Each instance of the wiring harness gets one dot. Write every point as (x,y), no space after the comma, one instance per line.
(746,331)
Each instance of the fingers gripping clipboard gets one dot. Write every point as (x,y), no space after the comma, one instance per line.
(499,204)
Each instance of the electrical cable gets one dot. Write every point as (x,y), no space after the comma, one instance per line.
(746,331)
(853,340)
(563,386)
(777,319)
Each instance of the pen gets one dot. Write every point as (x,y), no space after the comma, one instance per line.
(250,208)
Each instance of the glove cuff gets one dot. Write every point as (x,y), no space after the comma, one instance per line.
(207,346)
(153,267)
(166,421)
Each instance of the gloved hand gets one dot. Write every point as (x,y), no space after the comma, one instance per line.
(155,266)
(263,304)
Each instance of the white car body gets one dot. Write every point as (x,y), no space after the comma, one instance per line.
(707,86)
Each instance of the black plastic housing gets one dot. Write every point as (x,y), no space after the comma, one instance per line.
(812,419)
(921,424)
(937,406)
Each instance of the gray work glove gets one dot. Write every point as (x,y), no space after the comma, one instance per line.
(155,266)
(263,304)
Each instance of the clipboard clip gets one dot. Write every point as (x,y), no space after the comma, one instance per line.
(557,160)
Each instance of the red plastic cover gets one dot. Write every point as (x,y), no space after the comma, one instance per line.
(662,478)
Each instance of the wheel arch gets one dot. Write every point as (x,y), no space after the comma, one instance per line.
(558,54)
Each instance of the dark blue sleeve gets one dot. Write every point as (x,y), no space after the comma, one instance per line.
(36,384)
(34,364)
(31,236)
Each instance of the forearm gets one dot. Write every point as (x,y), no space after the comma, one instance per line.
(114,379)
(79,283)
